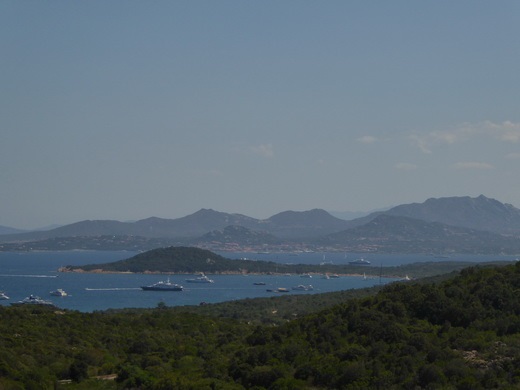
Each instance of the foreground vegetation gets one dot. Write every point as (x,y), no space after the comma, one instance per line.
(462,332)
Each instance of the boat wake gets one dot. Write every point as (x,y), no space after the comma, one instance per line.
(112,289)
(30,276)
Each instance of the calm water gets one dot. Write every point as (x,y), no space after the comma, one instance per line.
(22,274)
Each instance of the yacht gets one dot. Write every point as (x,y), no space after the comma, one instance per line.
(200,279)
(59,293)
(163,286)
(33,300)
(3,297)
(305,276)
(359,262)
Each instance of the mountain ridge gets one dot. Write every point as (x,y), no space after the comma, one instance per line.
(455,222)
(196,224)
(479,213)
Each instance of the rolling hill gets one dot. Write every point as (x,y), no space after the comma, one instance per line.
(284,225)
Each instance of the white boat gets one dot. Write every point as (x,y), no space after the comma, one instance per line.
(33,300)
(58,293)
(3,297)
(302,287)
(359,262)
(325,262)
(163,286)
(332,276)
(200,279)
(305,276)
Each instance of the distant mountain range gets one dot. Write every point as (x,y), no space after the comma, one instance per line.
(9,230)
(288,224)
(442,225)
(479,213)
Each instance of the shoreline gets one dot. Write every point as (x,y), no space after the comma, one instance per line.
(236,273)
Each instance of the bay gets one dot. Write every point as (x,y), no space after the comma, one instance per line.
(25,273)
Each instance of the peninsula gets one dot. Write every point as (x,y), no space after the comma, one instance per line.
(189,260)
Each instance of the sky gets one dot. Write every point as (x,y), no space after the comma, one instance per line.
(124,110)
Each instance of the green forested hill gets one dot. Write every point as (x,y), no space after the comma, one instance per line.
(180,260)
(170,259)
(459,333)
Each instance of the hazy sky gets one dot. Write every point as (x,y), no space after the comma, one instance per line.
(130,109)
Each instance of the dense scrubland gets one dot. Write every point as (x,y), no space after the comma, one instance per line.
(457,332)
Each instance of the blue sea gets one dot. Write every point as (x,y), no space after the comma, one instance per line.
(26,273)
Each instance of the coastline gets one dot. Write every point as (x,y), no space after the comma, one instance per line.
(237,273)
